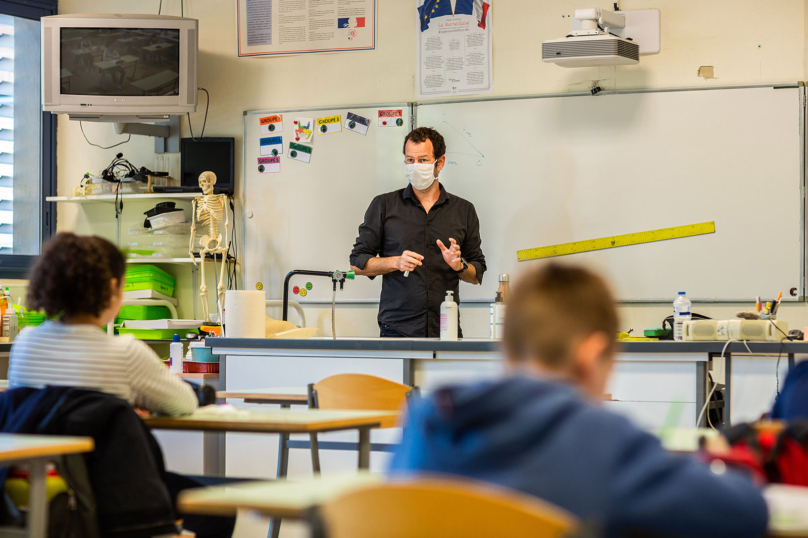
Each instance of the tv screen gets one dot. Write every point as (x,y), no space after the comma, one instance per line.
(119,61)
(208,155)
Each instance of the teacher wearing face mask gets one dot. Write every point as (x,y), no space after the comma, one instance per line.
(422,240)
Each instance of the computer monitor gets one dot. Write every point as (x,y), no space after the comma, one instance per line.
(215,155)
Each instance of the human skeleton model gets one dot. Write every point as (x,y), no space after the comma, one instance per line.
(209,210)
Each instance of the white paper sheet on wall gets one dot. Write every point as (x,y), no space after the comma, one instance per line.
(454,47)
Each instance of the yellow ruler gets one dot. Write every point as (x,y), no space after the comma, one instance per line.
(624,240)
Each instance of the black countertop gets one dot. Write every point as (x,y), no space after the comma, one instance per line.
(471,345)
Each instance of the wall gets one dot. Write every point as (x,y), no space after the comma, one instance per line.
(746,41)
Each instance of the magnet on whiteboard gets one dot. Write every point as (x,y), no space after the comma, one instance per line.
(250,214)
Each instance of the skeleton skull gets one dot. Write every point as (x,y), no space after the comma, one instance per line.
(206,182)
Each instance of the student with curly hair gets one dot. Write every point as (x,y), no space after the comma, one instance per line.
(79,281)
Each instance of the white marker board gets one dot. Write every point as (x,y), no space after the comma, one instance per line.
(553,169)
(556,169)
(307,215)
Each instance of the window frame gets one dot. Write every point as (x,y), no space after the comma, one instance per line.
(17,265)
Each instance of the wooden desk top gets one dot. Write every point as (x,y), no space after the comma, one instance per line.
(14,447)
(283,498)
(283,395)
(277,498)
(276,421)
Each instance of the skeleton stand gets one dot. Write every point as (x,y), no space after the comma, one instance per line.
(209,210)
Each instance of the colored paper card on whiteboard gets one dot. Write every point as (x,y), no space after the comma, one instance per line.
(304,129)
(299,152)
(391,118)
(271,124)
(269,165)
(357,123)
(330,124)
(271,145)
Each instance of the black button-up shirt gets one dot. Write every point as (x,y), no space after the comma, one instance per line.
(396,222)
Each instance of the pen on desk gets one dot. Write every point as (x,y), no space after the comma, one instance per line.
(777,304)
(757,304)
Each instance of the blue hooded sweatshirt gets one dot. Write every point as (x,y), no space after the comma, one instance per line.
(792,403)
(545,439)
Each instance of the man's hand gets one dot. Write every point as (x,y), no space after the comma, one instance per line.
(408,261)
(452,254)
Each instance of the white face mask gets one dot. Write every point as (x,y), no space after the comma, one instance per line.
(420,175)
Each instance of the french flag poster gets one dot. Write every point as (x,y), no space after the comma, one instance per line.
(351,22)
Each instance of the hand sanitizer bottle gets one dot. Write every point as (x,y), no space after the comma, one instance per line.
(448,318)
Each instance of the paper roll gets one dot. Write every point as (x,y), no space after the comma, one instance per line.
(244,314)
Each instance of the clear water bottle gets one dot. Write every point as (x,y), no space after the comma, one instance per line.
(681,313)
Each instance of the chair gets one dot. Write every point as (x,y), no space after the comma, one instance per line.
(437,508)
(354,392)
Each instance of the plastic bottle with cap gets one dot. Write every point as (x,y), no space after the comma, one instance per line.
(681,313)
(504,288)
(7,311)
(448,318)
(175,354)
(497,316)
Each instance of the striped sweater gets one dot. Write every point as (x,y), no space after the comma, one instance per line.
(82,356)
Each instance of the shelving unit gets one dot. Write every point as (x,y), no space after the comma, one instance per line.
(145,198)
(110,198)
(175,261)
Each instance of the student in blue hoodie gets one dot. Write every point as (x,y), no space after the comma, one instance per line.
(542,430)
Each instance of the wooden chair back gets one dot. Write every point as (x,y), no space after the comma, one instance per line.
(437,508)
(358,392)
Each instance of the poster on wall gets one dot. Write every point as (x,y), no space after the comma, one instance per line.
(275,27)
(454,47)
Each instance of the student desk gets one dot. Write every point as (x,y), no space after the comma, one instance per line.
(296,499)
(153,52)
(35,451)
(125,62)
(283,396)
(157,82)
(283,422)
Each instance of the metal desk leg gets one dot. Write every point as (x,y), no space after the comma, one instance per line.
(37,500)
(315,454)
(283,467)
(727,389)
(790,361)
(364,448)
(701,390)
(213,446)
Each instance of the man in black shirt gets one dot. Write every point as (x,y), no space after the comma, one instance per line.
(422,239)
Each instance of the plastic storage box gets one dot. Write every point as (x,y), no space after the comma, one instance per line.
(149,277)
(142,312)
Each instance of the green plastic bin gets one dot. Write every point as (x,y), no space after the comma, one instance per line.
(142,312)
(149,277)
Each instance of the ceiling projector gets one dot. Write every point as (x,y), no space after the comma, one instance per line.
(600,37)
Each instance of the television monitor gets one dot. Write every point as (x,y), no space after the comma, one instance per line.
(122,68)
(215,155)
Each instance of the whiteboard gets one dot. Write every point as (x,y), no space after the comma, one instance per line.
(307,216)
(549,170)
